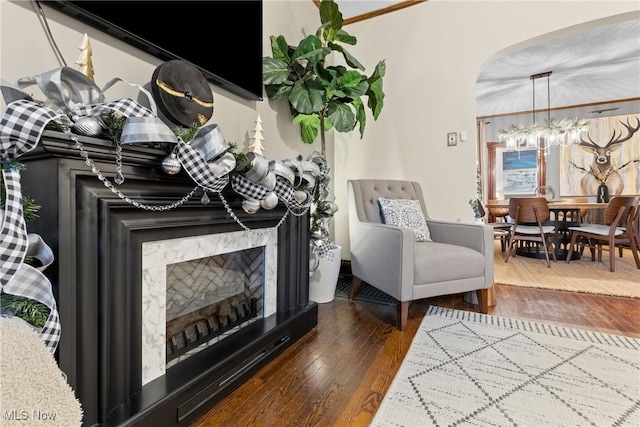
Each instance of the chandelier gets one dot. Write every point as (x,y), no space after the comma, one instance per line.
(552,133)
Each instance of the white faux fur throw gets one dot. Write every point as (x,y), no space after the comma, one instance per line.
(33,391)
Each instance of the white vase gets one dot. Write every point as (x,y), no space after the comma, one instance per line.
(322,284)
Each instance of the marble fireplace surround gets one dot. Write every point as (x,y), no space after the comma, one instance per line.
(156,255)
(98,241)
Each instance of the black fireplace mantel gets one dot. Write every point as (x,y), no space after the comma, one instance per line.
(97,239)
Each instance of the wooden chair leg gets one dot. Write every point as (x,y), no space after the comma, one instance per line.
(634,251)
(509,248)
(546,251)
(612,256)
(355,284)
(572,245)
(483,300)
(402,314)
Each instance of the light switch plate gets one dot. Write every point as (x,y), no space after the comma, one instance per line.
(452,139)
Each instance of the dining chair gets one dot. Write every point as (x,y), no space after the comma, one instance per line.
(501,229)
(618,229)
(571,216)
(635,223)
(530,224)
(497,213)
(568,218)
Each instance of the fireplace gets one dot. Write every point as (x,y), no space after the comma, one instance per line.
(134,348)
(208,287)
(207,299)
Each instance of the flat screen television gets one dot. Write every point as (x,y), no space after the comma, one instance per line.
(223,39)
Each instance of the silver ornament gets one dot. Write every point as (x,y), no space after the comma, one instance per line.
(251,206)
(269,202)
(269,181)
(88,126)
(301,196)
(171,164)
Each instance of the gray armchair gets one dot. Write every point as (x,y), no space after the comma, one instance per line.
(458,259)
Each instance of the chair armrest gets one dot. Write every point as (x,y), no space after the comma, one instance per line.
(383,255)
(478,237)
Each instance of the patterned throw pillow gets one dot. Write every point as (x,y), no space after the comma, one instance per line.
(405,213)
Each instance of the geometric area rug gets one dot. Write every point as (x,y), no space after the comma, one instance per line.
(467,368)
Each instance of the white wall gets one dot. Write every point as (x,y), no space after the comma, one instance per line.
(434,53)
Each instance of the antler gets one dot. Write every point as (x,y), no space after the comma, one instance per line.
(590,143)
(615,138)
(631,129)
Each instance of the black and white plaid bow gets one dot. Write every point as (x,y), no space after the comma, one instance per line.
(21,128)
(206,159)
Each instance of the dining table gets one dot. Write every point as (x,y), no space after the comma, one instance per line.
(564,215)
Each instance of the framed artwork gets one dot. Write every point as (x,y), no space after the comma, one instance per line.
(495,172)
(609,154)
(519,172)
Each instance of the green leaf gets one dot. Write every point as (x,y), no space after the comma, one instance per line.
(280,48)
(281,91)
(337,94)
(326,76)
(379,71)
(361,115)
(351,61)
(310,48)
(359,90)
(327,124)
(376,98)
(307,97)
(375,92)
(341,116)
(331,19)
(274,71)
(344,37)
(350,79)
(309,126)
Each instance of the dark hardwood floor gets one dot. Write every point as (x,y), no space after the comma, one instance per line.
(339,372)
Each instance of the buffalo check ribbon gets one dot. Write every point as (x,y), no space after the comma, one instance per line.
(206,158)
(21,128)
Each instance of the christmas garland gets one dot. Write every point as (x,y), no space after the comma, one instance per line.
(78,108)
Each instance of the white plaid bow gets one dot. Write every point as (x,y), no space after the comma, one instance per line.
(21,128)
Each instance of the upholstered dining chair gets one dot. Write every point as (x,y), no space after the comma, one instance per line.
(397,248)
(619,228)
(501,229)
(530,224)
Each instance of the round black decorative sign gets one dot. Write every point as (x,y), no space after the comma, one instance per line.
(182,93)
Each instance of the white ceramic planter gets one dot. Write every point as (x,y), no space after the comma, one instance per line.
(322,284)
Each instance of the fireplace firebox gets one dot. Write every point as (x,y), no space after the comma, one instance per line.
(106,289)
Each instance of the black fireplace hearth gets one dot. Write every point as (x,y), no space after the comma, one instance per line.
(97,239)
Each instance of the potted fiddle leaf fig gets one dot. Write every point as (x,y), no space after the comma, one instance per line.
(321,97)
